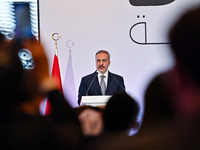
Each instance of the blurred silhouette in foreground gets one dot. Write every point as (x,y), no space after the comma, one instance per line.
(119,116)
(120,113)
(21,91)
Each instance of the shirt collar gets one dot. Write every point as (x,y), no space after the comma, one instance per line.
(105,74)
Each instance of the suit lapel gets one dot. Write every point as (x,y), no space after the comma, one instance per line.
(110,83)
(96,85)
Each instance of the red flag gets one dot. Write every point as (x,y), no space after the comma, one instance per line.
(55,75)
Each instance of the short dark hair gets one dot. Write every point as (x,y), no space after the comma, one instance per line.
(120,113)
(103,51)
(184,37)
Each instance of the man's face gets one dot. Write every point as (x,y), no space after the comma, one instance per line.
(102,62)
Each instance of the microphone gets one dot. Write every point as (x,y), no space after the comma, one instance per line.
(91,83)
(118,82)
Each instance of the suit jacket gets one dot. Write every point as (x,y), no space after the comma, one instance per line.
(90,85)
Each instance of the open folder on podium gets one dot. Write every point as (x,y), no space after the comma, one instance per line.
(95,100)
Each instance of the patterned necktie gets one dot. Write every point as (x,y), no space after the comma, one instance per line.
(103,85)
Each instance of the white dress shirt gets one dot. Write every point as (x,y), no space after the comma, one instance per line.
(105,78)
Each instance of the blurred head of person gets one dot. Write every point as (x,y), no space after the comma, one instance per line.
(17,84)
(184,37)
(158,99)
(121,112)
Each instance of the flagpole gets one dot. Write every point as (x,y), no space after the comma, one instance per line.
(55,74)
(70,44)
(56,49)
(69,89)
(56,37)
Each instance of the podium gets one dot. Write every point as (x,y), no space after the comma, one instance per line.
(95,100)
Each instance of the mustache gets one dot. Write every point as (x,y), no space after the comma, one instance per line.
(101,66)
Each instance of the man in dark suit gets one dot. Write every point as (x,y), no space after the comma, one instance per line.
(111,83)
